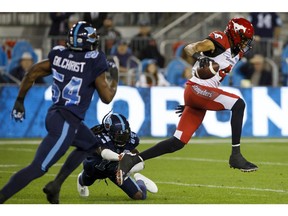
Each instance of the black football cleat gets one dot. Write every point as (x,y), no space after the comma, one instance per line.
(126,162)
(52,193)
(237,161)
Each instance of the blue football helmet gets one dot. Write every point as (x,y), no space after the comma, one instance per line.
(82,37)
(118,129)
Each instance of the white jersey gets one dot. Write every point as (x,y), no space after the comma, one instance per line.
(222,55)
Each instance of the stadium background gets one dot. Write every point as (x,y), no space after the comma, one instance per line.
(150,110)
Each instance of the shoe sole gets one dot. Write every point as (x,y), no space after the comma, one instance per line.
(119,177)
(245,170)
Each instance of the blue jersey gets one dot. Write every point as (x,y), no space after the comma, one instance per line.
(106,142)
(101,168)
(74,75)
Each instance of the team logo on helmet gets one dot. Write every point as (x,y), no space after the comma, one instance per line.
(91,34)
(108,123)
(238,27)
(240,32)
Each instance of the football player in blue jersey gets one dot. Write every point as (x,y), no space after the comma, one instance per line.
(115,137)
(77,71)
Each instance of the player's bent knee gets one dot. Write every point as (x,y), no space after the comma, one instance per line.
(176,144)
(35,170)
(138,196)
(239,105)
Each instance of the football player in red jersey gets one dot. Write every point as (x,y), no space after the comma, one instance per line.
(225,48)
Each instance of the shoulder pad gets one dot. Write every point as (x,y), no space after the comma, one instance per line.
(92,54)
(220,37)
(134,139)
(59,47)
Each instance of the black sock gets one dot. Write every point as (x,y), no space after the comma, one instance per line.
(236,149)
(143,188)
(87,180)
(72,162)
(166,146)
(236,124)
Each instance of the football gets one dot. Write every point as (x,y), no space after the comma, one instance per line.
(208,71)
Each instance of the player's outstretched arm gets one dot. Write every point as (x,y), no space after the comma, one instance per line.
(40,69)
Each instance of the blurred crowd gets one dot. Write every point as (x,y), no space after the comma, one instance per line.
(140,62)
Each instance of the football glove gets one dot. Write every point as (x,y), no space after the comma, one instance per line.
(204,62)
(113,70)
(111,63)
(179,110)
(18,112)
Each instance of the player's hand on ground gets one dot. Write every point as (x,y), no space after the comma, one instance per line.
(18,112)
(179,110)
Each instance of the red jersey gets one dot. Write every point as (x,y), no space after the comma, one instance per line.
(222,55)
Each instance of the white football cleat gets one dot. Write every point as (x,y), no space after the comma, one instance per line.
(150,185)
(82,190)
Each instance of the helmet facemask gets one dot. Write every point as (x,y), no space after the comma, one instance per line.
(246,43)
(120,138)
(240,32)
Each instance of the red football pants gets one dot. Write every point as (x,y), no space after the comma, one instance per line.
(198,99)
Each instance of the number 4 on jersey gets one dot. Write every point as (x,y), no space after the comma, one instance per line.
(70,92)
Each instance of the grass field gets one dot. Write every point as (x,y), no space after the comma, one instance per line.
(197,174)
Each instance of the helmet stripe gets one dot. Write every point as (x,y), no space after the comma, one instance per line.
(75,34)
(121,120)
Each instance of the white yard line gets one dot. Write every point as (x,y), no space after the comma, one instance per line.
(218,161)
(223,187)
(22,165)
(174,159)
(20,141)
(197,185)
(18,149)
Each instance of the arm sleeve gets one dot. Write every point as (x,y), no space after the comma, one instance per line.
(109,155)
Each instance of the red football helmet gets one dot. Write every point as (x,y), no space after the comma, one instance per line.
(241,32)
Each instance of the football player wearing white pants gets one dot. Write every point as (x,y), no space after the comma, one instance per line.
(226,48)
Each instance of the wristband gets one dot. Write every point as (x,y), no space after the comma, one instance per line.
(20,99)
